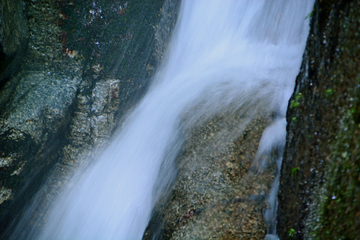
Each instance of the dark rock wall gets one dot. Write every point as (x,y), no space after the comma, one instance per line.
(86,64)
(13,37)
(319,194)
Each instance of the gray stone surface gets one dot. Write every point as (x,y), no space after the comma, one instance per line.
(86,65)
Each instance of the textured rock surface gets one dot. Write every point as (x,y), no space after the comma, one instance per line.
(36,105)
(320,185)
(219,193)
(87,63)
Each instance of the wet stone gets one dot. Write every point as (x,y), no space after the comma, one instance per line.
(219,193)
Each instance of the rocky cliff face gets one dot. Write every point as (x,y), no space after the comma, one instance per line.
(86,64)
(320,186)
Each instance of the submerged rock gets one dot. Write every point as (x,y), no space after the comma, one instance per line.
(219,192)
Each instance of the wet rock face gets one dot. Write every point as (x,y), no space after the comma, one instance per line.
(219,193)
(319,186)
(13,37)
(86,64)
(35,111)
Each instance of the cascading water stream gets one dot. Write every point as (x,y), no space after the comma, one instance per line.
(223,55)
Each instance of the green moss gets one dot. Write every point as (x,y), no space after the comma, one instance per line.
(309,15)
(294,171)
(296,101)
(329,92)
(292,233)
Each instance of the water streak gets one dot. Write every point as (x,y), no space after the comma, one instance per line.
(224,54)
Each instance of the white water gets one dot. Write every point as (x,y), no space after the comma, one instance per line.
(224,54)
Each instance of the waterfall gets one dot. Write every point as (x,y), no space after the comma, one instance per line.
(223,55)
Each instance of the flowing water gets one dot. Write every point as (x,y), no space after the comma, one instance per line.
(223,55)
